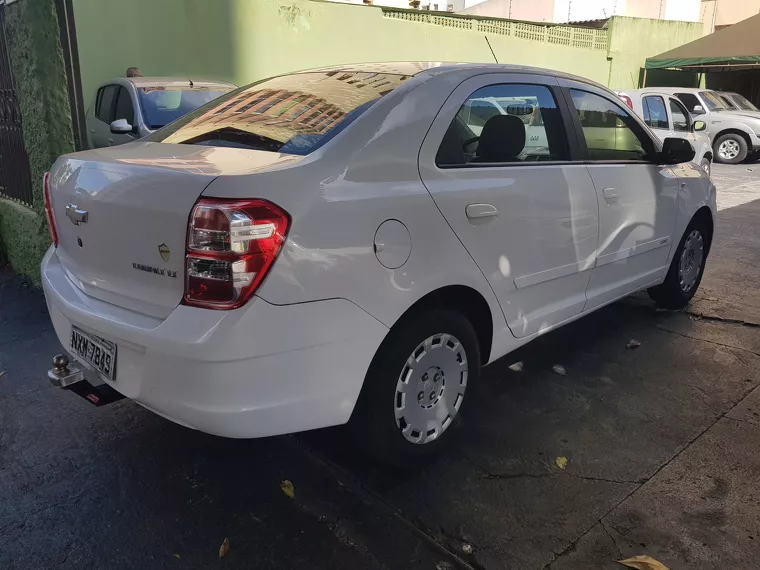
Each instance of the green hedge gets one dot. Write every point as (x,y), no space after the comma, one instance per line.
(32,35)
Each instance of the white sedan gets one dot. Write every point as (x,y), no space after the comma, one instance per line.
(342,245)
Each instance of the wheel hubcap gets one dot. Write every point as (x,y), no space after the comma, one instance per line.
(706,167)
(729,149)
(691,261)
(430,388)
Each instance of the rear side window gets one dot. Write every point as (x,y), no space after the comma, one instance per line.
(681,122)
(611,133)
(689,100)
(291,114)
(654,112)
(507,123)
(104,109)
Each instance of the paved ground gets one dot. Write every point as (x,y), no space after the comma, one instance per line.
(661,443)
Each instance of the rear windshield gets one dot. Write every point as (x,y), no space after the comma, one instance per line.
(291,114)
(162,105)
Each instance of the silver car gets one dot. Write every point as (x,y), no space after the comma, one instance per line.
(126,109)
(735,134)
(737,102)
(667,117)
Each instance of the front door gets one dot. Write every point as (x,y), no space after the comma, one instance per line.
(99,124)
(502,176)
(637,198)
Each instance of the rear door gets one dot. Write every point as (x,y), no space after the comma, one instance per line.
(523,209)
(637,198)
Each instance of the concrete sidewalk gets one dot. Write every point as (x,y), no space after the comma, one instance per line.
(661,445)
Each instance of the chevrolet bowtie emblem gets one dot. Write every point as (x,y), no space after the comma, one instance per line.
(163,249)
(76,215)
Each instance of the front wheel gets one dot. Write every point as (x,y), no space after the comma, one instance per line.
(686,269)
(706,164)
(730,148)
(416,387)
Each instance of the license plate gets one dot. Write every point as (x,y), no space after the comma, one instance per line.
(96,351)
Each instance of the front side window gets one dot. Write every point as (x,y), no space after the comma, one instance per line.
(690,100)
(654,112)
(681,122)
(507,123)
(105,107)
(124,109)
(291,114)
(611,133)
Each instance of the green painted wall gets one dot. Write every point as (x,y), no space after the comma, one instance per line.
(192,38)
(31,29)
(245,40)
(632,40)
(275,36)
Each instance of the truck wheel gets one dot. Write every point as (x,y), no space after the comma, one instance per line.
(730,148)
(706,165)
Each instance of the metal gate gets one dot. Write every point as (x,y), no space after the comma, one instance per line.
(15,177)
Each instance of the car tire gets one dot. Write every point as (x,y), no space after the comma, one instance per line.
(706,165)
(686,269)
(400,404)
(730,148)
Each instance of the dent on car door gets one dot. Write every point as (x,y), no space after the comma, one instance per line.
(637,199)
(524,212)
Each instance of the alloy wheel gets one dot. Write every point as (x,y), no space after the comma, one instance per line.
(729,149)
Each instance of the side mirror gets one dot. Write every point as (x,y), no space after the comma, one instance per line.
(121,127)
(698,110)
(699,126)
(676,151)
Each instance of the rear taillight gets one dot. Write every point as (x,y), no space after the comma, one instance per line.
(49,208)
(231,244)
(627,100)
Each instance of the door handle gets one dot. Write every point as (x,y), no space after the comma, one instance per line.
(611,194)
(477,211)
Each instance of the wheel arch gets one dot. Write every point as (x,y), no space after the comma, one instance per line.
(461,298)
(733,131)
(705,215)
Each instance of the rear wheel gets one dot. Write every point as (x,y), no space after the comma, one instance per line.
(730,148)
(416,387)
(686,269)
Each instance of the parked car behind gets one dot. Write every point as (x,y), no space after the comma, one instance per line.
(340,245)
(126,109)
(737,102)
(667,117)
(734,134)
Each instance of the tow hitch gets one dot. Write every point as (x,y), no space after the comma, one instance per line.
(68,377)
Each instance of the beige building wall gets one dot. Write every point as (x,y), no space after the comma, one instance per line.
(726,12)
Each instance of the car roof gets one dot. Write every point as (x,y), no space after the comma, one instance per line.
(415,68)
(140,82)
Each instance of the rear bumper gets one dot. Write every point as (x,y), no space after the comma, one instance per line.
(257,371)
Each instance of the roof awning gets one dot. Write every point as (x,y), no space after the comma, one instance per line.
(735,47)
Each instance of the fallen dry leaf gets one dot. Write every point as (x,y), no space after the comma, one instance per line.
(444,566)
(516,367)
(467,548)
(633,343)
(224,548)
(2,373)
(177,556)
(561,462)
(559,369)
(288,488)
(643,562)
